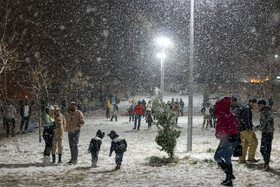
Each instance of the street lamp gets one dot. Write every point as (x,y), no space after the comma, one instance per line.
(276,56)
(161,56)
(163,42)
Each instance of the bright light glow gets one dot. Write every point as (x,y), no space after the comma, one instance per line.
(276,56)
(259,80)
(161,55)
(163,41)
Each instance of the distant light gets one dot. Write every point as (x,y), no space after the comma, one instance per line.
(278,77)
(161,55)
(163,41)
(26,96)
(276,56)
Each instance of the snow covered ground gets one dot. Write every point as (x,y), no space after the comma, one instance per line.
(194,169)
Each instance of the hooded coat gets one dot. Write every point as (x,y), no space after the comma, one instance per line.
(227,123)
(95,143)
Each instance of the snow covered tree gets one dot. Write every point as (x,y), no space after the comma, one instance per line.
(167,133)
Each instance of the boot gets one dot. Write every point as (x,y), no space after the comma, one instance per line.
(53,159)
(222,165)
(59,158)
(118,167)
(229,175)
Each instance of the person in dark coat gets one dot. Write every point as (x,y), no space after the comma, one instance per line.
(182,104)
(226,132)
(119,146)
(247,135)
(267,128)
(94,147)
(115,112)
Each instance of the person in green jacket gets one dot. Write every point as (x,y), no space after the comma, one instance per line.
(49,126)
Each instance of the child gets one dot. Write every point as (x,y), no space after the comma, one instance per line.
(118,145)
(94,147)
(149,119)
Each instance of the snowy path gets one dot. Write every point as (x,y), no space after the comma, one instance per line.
(194,169)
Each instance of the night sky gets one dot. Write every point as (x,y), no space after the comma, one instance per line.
(113,42)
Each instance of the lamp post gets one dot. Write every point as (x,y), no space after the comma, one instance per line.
(161,56)
(190,105)
(163,42)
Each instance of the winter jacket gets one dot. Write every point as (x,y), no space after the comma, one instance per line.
(47,121)
(115,110)
(130,110)
(108,104)
(95,144)
(139,109)
(22,107)
(176,109)
(74,121)
(149,107)
(182,104)
(118,145)
(10,112)
(227,123)
(236,110)
(266,120)
(245,118)
(59,129)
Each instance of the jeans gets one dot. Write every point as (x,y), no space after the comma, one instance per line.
(266,142)
(225,151)
(73,144)
(94,156)
(26,120)
(48,137)
(119,158)
(131,117)
(137,117)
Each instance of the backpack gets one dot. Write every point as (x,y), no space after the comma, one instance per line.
(121,146)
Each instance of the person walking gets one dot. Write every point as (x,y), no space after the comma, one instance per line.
(130,113)
(115,112)
(25,113)
(182,104)
(138,112)
(226,132)
(74,122)
(247,135)
(108,106)
(10,113)
(176,109)
(49,126)
(60,124)
(267,128)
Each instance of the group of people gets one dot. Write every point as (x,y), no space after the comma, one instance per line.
(8,112)
(54,124)
(234,124)
(136,111)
